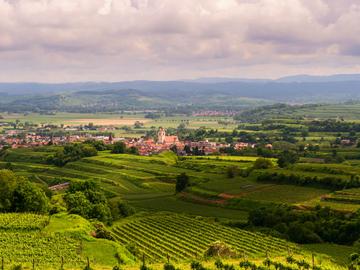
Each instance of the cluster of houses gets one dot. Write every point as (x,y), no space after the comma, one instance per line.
(17,138)
(164,142)
(145,146)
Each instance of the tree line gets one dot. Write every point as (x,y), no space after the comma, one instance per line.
(331,182)
(320,225)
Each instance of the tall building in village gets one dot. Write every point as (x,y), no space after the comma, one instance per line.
(161,135)
(163,139)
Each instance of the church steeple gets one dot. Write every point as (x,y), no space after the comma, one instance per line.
(161,135)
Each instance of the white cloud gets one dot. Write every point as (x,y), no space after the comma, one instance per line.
(163,39)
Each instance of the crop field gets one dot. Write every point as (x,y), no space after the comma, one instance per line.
(22,241)
(183,238)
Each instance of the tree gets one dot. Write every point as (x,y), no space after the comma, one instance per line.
(72,152)
(229,139)
(119,148)
(27,197)
(133,150)
(77,203)
(174,148)
(120,209)
(87,200)
(8,183)
(286,158)
(99,145)
(182,181)
(187,149)
(18,194)
(231,171)
(88,150)
(262,163)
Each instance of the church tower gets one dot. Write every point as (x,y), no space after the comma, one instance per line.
(161,135)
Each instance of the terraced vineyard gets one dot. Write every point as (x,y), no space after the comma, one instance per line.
(22,222)
(182,238)
(22,241)
(45,249)
(351,196)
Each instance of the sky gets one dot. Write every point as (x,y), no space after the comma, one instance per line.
(116,40)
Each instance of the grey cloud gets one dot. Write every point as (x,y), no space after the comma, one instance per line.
(117,38)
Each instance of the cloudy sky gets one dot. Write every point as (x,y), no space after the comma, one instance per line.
(114,40)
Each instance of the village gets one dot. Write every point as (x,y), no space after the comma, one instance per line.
(54,135)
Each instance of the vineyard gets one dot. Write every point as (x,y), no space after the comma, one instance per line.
(23,241)
(351,196)
(22,222)
(45,249)
(181,238)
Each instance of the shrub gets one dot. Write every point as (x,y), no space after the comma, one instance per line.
(119,148)
(121,209)
(286,158)
(102,232)
(169,266)
(219,249)
(197,266)
(232,171)
(182,181)
(262,163)
(133,249)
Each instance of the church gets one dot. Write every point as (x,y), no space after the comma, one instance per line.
(167,140)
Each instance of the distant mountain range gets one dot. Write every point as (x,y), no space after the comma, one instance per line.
(205,92)
(315,79)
